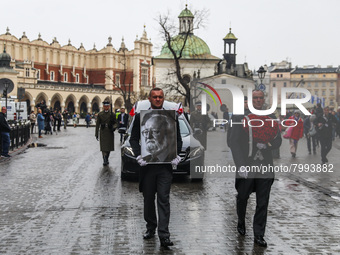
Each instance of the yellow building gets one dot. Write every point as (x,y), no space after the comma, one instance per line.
(75,78)
(321,82)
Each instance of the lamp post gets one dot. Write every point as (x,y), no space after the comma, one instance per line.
(261,72)
(5,94)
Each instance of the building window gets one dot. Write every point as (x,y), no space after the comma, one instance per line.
(294,84)
(284,84)
(27,72)
(324,93)
(224,81)
(65,77)
(281,75)
(301,75)
(316,92)
(274,85)
(117,79)
(316,84)
(277,75)
(52,76)
(332,92)
(331,102)
(324,75)
(309,84)
(77,78)
(332,84)
(38,74)
(144,76)
(324,84)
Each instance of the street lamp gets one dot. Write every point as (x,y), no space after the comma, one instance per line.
(5,93)
(261,72)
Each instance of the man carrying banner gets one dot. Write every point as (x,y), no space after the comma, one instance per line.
(155,178)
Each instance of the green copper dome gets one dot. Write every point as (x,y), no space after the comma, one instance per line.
(195,48)
(230,35)
(186,13)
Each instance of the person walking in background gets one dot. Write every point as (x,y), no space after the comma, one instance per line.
(32,119)
(88,120)
(123,119)
(296,132)
(57,120)
(74,119)
(65,118)
(337,116)
(200,121)
(310,133)
(334,125)
(325,127)
(40,122)
(5,133)
(318,110)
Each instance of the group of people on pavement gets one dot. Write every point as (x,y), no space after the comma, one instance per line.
(50,120)
(320,129)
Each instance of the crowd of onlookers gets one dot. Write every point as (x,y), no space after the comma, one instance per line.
(320,129)
(48,120)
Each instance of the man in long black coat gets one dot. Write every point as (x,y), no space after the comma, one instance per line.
(248,182)
(105,127)
(155,178)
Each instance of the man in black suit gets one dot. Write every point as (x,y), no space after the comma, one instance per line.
(123,119)
(246,156)
(155,178)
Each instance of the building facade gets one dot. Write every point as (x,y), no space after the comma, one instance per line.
(321,82)
(79,80)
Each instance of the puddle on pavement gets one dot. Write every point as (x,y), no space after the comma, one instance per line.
(36,145)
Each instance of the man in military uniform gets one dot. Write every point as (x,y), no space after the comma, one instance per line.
(202,122)
(105,126)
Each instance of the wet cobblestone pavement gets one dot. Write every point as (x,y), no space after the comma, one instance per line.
(59,199)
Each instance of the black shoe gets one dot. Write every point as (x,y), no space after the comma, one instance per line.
(149,234)
(6,155)
(241,228)
(309,152)
(293,155)
(260,241)
(165,242)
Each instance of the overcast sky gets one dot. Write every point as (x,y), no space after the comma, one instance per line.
(305,32)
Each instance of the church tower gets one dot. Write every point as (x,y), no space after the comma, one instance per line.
(230,56)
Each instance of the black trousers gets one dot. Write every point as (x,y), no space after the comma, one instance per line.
(157,179)
(262,187)
(326,146)
(311,141)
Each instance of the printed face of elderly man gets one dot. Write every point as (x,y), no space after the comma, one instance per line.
(158,137)
(155,134)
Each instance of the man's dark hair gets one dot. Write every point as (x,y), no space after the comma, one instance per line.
(154,89)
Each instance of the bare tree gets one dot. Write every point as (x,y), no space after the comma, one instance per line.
(176,45)
(125,83)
